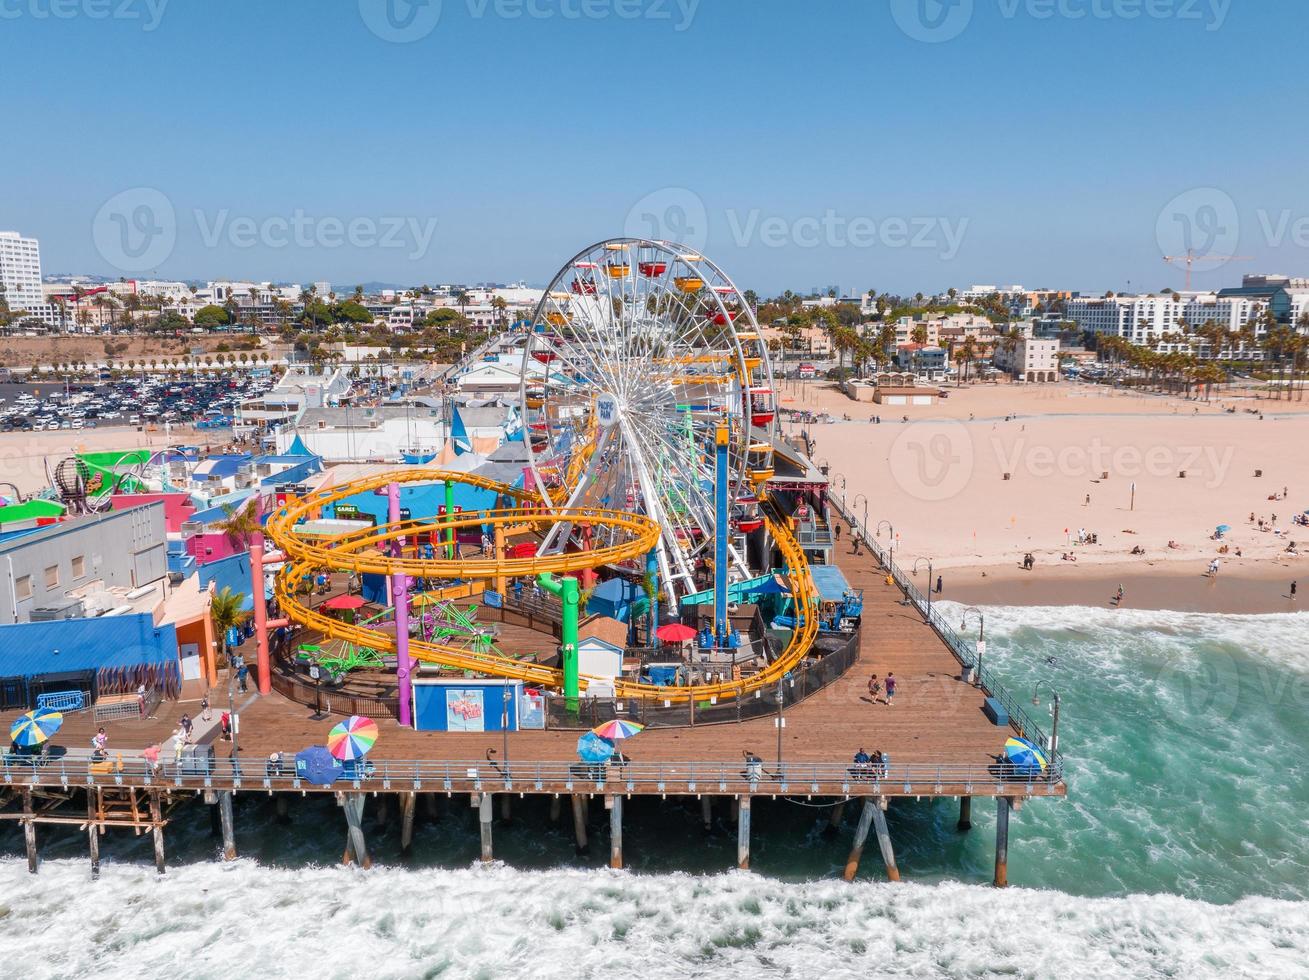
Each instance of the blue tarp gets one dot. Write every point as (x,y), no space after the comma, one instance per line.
(69,645)
(615,599)
(830,581)
(459,435)
(232,572)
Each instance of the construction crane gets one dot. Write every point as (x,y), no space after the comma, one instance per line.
(1190,258)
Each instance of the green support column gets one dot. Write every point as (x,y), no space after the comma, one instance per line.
(449,516)
(569,594)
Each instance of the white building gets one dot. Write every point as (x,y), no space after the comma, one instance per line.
(20,271)
(1029,359)
(1145,320)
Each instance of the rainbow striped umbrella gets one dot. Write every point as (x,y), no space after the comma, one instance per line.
(352,738)
(618,728)
(1026,757)
(35,727)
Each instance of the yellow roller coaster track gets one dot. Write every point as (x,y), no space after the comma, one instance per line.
(358,551)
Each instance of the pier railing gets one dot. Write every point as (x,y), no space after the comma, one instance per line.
(964,650)
(743,776)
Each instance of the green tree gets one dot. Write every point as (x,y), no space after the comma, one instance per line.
(211,316)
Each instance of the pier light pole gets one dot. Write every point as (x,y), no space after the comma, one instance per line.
(891,529)
(917,562)
(824,466)
(1054,710)
(841,477)
(981,638)
(856,501)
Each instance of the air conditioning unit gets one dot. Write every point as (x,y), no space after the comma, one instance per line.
(65,609)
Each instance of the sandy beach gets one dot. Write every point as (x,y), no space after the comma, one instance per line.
(1035,468)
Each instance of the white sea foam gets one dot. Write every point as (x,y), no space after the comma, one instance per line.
(243,920)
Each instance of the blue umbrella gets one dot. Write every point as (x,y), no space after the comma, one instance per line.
(35,727)
(1026,757)
(1224,528)
(318,766)
(592,748)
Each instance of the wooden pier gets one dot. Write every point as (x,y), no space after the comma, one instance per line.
(939,740)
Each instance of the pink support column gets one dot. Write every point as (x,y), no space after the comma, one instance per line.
(400,602)
(264,675)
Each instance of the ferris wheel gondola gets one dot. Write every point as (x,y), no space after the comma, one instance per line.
(646,372)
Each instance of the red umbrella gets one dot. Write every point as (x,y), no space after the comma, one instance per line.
(343,602)
(675,633)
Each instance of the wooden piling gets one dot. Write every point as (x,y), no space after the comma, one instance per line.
(383,811)
(743,833)
(283,808)
(504,808)
(860,838)
(580,807)
(225,820)
(707,811)
(965,813)
(157,826)
(616,832)
(29,830)
(357,848)
(837,816)
(93,831)
(884,840)
(556,808)
(407,806)
(1001,842)
(430,811)
(485,815)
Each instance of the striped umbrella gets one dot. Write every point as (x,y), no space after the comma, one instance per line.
(618,728)
(352,738)
(35,727)
(1026,757)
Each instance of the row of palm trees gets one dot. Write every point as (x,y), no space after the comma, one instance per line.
(188,361)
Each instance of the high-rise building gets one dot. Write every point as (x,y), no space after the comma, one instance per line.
(20,271)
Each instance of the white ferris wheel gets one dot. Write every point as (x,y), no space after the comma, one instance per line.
(642,355)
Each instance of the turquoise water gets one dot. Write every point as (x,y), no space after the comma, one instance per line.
(1180,850)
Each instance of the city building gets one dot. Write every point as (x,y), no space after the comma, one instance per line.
(1034,359)
(20,271)
(927,362)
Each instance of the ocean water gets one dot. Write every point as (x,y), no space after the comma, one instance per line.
(1182,850)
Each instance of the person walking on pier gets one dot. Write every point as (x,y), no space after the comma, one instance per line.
(890,689)
(874,688)
(243,677)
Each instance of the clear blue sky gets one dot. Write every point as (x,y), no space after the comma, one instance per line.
(1049,146)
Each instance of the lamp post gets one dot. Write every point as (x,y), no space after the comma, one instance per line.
(1054,710)
(890,560)
(504,726)
(841,477)
(781,722)
(981,638)
(856,501)
(917,562)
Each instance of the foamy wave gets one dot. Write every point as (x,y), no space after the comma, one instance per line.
(224,921)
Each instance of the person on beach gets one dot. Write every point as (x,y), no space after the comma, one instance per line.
(890,689)
(1119,597)
(1293,587)
(939,587)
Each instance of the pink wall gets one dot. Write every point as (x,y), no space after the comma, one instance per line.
(177,506)
(211,546)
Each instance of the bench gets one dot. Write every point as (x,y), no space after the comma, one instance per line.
(996,712)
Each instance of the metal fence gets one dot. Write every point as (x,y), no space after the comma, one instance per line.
(746,775)
(964,650)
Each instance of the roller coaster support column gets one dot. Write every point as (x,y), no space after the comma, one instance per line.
(652,574)
(722,625)
(450,548)
(500,583)
(400,602)
(570,597)
(264,677)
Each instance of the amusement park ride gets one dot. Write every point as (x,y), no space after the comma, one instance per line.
(649,414)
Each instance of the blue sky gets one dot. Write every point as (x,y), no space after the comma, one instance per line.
(798,144)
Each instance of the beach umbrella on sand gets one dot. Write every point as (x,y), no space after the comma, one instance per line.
(675,633)
(35,727)
(1026,758)
(616,729)
(1223,528)
(352,738)
(592,748)
(318,766)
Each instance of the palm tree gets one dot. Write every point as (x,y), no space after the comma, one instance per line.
(225,613)
(240,524)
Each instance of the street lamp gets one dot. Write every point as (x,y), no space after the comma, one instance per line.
(890,561)
(981,638)
(856,501)
(841,477)
(917,562)
(1054,710)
